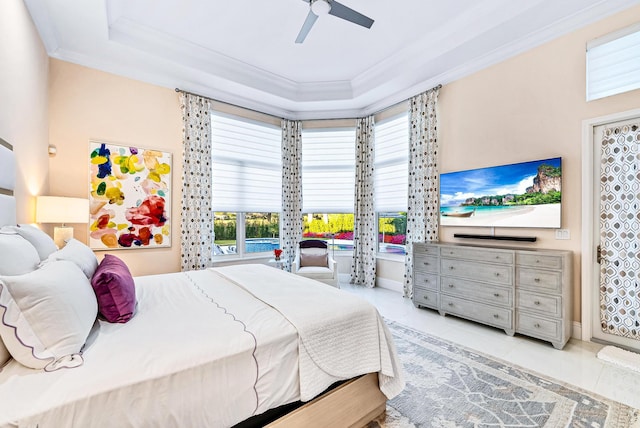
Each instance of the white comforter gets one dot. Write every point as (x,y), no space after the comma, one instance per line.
(201,351)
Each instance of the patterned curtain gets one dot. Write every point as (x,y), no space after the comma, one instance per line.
(196,221)
(365,232)
(291,190)
(422,213)
(620,231)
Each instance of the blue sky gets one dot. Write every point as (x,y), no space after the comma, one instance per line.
(456,187)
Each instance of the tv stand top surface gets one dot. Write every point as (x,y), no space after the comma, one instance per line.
(497,246)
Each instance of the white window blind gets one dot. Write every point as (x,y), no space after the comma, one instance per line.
(328,170)
(246,164)
(391,172)
(613,63)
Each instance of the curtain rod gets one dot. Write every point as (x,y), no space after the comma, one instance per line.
(281,118)
(229,104)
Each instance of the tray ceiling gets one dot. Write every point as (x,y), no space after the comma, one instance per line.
(243,51)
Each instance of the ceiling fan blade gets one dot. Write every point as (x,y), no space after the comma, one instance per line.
(306,27)
(341,11)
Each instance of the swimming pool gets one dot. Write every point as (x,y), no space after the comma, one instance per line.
(261,245)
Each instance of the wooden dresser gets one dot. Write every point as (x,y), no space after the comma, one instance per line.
(527,291)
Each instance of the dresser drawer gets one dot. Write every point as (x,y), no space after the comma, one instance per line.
(539,260)
(497,274)
(428,298)
(542,328)
(537,279)
(425,263)
(479,254)
(473,290)
(425,280)
(487,314)
(421,248)
(540,303)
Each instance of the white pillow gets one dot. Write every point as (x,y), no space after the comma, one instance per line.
(75,251)
(17,255)
(42,242)
(47,315)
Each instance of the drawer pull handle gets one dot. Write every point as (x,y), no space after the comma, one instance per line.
(496,316)
(450,304)
(496,294)
(425,263)
(450,285)
(537,303)
(426,297)
(451,268)
(536,279)
(426,280)
(537,261)
(497,273)
(497,257)
(536,325)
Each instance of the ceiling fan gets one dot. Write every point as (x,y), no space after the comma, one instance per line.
(331,7)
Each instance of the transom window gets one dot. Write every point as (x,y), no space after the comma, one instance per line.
(613,63)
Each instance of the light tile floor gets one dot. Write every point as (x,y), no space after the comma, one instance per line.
(576,364)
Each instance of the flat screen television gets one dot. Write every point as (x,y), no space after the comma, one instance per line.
(526,194)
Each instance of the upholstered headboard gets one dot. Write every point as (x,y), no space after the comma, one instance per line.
(7,184)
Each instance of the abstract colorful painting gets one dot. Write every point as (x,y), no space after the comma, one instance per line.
(130,197)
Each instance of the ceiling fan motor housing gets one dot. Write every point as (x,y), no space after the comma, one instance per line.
(320,7)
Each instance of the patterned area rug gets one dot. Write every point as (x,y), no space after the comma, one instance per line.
(451,386)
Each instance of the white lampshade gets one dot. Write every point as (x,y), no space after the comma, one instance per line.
(58,209)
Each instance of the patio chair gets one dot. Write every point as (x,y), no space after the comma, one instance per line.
(313,260)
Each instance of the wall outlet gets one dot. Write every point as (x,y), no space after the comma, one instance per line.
(563,234)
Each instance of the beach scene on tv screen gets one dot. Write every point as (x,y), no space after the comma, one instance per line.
(526,194)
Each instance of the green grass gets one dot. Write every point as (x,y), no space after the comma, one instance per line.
(225,242)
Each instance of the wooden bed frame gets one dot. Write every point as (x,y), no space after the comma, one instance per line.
(353,404)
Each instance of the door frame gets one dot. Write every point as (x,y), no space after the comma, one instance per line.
(588,267)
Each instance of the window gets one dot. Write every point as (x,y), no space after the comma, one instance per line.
(247,184)
(390,182)
(613,63)
(328,181)
(336,229)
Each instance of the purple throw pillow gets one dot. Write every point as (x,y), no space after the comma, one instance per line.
(115,290)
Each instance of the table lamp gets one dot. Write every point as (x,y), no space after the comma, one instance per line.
(59,209)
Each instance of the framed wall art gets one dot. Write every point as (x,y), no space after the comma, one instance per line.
(130,197)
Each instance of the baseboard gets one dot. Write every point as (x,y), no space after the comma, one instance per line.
(390,284)
(576,331)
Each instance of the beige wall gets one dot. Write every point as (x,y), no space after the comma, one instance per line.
(86,104)
(23,93)
(526,108)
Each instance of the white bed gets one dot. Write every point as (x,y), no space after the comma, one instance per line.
(207,348)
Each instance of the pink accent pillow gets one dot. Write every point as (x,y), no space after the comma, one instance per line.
(115,290)
(319,260)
